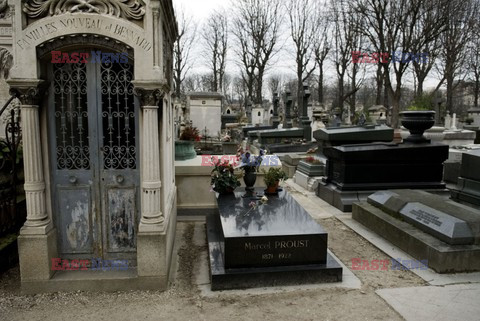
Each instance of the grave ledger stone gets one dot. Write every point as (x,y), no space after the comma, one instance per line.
(426,226)
(273,243)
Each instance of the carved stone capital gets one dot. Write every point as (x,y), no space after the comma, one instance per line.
(28,91)
(149,97)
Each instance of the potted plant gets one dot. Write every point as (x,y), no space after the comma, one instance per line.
(184,148)
(272,179)
(223,179)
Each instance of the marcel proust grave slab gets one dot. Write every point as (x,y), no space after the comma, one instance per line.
(277,233)
(442,225)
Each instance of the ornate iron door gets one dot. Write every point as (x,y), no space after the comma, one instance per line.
(93,141)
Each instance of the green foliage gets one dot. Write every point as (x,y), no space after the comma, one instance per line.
(223,178)
(274,175)
(423,102)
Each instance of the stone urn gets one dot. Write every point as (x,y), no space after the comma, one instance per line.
(184,149)
(417,122)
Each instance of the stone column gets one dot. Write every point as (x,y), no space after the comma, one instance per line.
(152,217)
(155,231)
(248,111)
(38,221)
(37,241)
(275,118)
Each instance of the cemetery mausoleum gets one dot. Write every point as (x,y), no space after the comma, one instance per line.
(95,81)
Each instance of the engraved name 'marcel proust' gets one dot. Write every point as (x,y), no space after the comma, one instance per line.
(287,244)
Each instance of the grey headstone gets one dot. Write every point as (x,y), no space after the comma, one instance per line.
(439,224)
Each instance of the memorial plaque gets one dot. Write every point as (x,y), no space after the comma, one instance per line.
(439,224)
(277,233)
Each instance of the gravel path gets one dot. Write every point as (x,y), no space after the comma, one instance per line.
(183,300)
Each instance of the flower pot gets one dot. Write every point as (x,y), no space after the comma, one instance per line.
(226,191)
(272,189)
(417,122)
(249,178)
(184,149)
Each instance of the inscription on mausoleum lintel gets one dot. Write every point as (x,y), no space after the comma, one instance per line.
(92,24)
(5,31)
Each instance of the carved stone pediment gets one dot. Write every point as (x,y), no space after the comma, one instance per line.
(127,9)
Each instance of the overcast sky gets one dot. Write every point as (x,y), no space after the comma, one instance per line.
(284,64)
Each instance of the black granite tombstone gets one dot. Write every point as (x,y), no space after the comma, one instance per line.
(272,242)
(468,186)
(355,171)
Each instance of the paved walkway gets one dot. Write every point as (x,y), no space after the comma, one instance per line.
(448,296)
(451,302)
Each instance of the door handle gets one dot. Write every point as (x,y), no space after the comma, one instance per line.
(120,179)
(72,179)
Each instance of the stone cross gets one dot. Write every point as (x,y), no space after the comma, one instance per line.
(288,109)
(305,122)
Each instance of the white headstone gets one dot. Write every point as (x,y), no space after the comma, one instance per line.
(448,122)
(454,122)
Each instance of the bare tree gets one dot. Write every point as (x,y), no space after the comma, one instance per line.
(421,68)
(215,36)
(346,39)
(182,49)
(322,48)
(473,60)
(460,21)
(274,83)
(256,26)
(391,27)
(304,28)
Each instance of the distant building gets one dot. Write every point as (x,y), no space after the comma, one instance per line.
(205,111)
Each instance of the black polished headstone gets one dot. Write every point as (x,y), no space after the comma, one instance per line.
(468,184)
(277,233)
(277,243)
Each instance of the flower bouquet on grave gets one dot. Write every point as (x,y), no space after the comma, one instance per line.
(223,179)
(250,164)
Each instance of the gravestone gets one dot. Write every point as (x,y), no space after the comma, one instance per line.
(356,171)
(274,242)
(336,136)
(468,186)
(428,227)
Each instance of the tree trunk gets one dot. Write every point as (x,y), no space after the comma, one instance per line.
(379,79)
(341,90)
(477,89)
(320,84)
(449,93)
(258,89)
